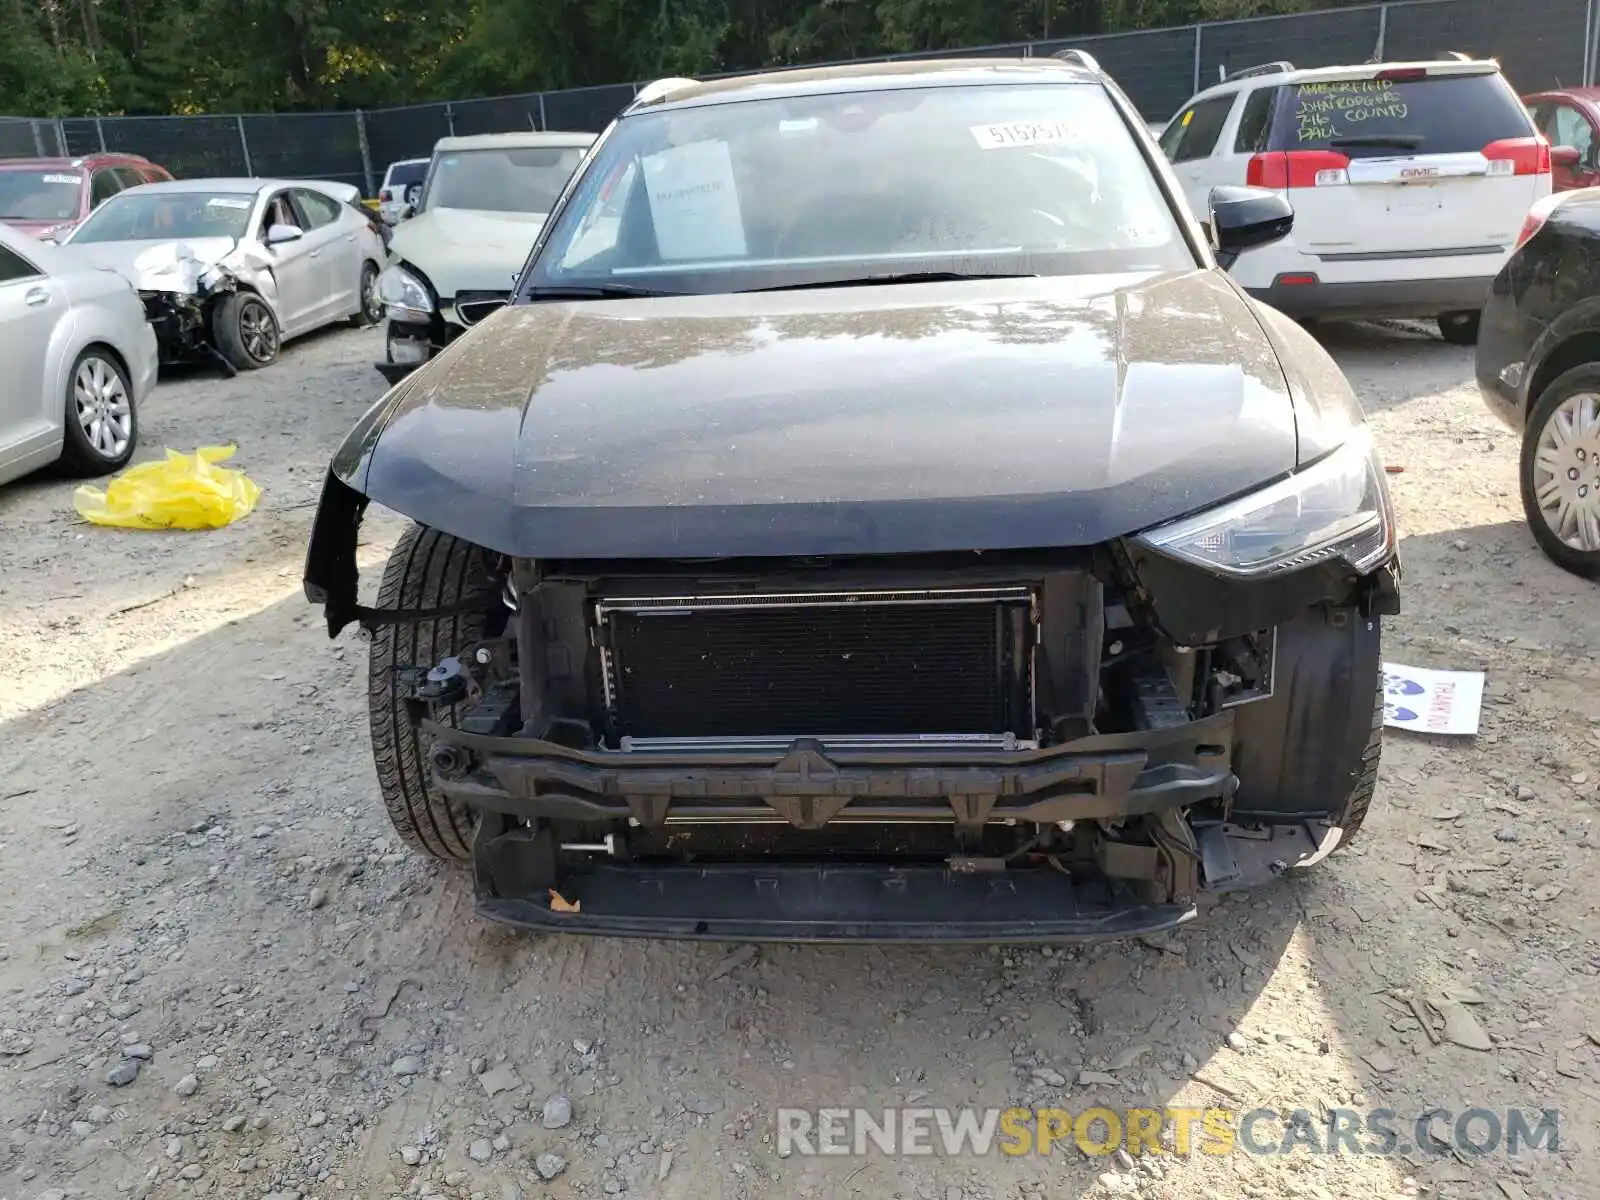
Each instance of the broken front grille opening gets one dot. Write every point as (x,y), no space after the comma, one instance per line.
(867,669)
(1148,682)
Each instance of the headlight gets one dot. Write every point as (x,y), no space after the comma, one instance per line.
(404,296)
(1336,508)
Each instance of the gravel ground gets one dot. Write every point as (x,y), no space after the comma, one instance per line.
(220,976)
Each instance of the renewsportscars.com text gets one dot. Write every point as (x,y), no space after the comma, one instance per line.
(1178,1131)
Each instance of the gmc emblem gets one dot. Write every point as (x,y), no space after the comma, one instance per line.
(1418,172)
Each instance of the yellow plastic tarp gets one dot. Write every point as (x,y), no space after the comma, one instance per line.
(183,491)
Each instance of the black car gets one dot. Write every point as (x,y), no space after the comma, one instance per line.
(876,516)
(1539,370)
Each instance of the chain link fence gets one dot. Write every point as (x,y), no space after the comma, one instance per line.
(1540,44)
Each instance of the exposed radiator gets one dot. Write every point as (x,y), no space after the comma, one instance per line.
(837,665)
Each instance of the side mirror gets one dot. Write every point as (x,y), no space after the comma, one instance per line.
(1243,218)
(277,235)
(1566,156)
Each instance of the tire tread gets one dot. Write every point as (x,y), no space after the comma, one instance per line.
(1354,814)
(427,569)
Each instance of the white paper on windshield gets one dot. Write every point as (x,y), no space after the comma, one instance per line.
(72,179)
(1007,134)
(694,202)
(226,202)
(1429,701)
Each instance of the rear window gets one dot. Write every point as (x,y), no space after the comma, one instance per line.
(403,175)
(1368,118)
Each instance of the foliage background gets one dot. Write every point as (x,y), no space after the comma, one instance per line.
(103,57)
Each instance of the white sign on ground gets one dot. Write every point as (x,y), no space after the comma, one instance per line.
(1428,701)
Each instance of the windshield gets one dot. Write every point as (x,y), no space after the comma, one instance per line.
(1035,180)
(525,180)
(39,195)
(142,216)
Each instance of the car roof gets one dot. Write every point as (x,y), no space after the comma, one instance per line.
(523,140)
(1589,94)
(408,162)
(1435,67)
(866,77)
(68,163)
(236,184)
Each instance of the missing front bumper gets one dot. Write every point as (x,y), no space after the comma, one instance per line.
(809,785)
(862,902)
(1156,801)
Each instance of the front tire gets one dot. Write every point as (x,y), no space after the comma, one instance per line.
(1460,328)
(246,332)
(371,306)
(1560,471)
(101,425)
(1353,815)
(427,570)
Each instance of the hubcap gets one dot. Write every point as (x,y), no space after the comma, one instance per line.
(104,412)
(1566,472)
(258,331)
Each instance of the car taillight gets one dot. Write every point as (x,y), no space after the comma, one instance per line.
(1298,169)
(1529,228)
(1518,156)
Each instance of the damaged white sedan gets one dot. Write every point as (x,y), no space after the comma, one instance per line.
(230,269)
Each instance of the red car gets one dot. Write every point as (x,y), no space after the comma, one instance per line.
(46,197)
(1570,117)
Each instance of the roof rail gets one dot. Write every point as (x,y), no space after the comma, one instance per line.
(651,92)
(1078,58)
(1280,67)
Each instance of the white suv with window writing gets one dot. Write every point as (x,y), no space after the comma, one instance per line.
(1409,182)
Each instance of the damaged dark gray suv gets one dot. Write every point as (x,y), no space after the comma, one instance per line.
(876,517)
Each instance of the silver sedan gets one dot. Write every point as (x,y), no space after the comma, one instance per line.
(232,268)
(79,358)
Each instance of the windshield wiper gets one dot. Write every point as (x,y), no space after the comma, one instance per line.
(1403,141)
(601,291)
(906,277)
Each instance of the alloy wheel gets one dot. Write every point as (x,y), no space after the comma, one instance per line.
(371,302)
(103,409)
(1566,472)
(258,331)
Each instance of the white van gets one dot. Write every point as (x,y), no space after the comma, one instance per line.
(1409,182)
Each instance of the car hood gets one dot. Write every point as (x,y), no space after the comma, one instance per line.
(39,228)
(464,250)
(913,418)
(157,266)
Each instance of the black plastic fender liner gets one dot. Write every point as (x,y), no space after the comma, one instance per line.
(331,577)
(1298,753)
